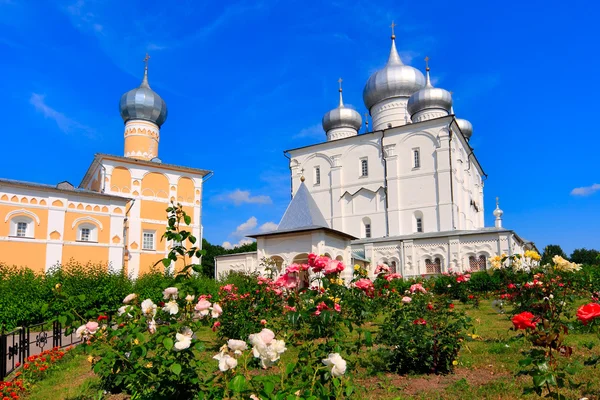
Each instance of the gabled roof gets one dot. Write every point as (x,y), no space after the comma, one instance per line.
(302,215)
(302,212)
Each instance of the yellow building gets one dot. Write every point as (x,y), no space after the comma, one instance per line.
(117,214)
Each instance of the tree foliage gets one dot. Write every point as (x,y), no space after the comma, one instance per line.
(585,256)
(550,251)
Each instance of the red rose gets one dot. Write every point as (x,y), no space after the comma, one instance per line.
(102,317)
(588,312)
(430,306)
(524,320)
(451,306)
(419,321)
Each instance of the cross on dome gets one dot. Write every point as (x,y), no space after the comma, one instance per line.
(393,25)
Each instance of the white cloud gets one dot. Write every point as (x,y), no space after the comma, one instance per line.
(311,132)
(64,123)
(244,228)
(239,197)
(267,227)
(229,245)
(586,190)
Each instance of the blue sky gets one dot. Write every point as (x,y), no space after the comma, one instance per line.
(245,80)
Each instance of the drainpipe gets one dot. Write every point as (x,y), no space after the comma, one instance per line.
(451,173)
(125,222)
(385,186)
(215,268)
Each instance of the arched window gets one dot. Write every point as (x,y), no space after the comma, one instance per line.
(87,233)
(482,263)
(21,226)
(433,267)
(418,222)
(473,264)
(393,267)
(278,264)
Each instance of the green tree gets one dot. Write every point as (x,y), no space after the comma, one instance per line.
(585,256)
(550,251)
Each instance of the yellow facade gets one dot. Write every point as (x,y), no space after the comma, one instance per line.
(117,214)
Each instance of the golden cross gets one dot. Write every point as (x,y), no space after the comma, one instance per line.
(146,60)
(392,26)
(340,82)
(427,63)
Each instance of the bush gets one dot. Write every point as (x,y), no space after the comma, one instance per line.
(422,335)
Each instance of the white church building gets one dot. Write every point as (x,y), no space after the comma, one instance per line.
(409,193)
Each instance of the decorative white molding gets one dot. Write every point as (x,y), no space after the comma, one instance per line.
(94,220)
(22,211)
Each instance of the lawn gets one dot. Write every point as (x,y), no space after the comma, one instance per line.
(486,369)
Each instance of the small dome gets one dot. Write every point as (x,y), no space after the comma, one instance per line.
(342,117)
(143,103)
(498,212)
(429,98)
(393,80)
(465,127)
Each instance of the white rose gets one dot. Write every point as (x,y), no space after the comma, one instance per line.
(80,331)
(189,298)
(226,362)
(237,346)
(129,298)
(337,363)
(148,308)
(171,307)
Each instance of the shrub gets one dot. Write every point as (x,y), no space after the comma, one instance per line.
(422,335)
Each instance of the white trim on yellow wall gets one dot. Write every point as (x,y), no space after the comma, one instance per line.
(22,211)
(81,219)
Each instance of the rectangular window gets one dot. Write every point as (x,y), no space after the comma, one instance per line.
(364,167)
(419,225)
(21,229)
(317,175)
(367,230)
(416,158)
(148,241)
(85,234)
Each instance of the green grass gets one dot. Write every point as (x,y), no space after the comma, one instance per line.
(486,369)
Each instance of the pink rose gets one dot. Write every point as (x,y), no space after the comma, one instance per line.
(267,336)
(382,269)
(293,269)
(263,322)
(320,263)
(92,327)
(203,307)
(170,293)
(417,287)
(216,310)
(391,277)
(287,281)
(337,307)
(363,284)
(406,299)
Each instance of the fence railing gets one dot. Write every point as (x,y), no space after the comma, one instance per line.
(25,341)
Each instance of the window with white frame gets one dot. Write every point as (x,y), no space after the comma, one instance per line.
(364,167)
(416,158)
(21,226)
(21,229)
(317,175)
(87,233)
(148,240)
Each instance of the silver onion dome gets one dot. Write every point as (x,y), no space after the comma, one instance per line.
(341,117)
(143,103)
(465,127)
(393,80)
(429,98)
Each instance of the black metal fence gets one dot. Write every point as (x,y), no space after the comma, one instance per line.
(25,341)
